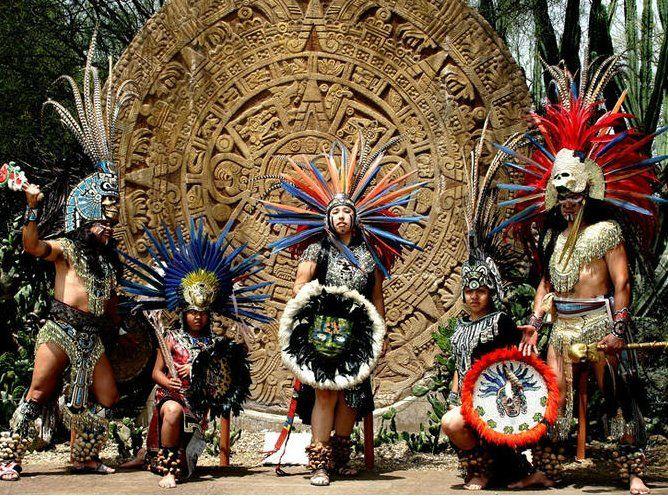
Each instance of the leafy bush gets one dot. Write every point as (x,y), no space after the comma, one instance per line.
(654,374)
(128,436)
(212,437)
(24,289)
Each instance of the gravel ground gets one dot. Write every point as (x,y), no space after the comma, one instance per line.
(246,452)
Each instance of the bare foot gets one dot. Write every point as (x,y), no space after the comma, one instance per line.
(137,462)
(637,486)
(537,479)
(168,481)
(477,483)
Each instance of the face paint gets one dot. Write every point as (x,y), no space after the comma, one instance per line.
(570,204)
(330,335)
(110,209)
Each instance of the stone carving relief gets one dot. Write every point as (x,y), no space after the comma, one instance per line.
(226,87)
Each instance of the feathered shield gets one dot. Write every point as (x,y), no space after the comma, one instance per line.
(220,378)
(331,337)
(510,399)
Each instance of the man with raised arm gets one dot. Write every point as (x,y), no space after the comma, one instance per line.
(83,309)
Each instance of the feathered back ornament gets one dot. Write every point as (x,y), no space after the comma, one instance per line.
(486,251)
(578,147)
(352,182)
(93,124)
(197,274)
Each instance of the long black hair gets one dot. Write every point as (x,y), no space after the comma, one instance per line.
(91,248)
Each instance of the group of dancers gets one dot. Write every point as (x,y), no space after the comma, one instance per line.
(580,197)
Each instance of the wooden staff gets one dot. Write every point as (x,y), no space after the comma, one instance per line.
(581,352)
(154,318)
(582,414)
(224,441)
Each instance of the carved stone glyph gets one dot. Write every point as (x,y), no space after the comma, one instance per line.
(227,86)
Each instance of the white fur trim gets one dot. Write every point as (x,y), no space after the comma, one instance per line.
(287,324)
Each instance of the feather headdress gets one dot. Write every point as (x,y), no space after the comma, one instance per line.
(352,175)
(487,252)
(578,147)
(196,274)
(93,124)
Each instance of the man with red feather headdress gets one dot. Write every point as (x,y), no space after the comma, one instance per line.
(588,186)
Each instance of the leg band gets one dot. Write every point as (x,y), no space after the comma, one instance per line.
(630,460)
(90,435)
(168,461)
(14,443)
(476,462)
(549,457)
(342,448)
(12,447)
(320,456)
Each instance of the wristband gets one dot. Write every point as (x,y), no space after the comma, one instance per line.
(620,329)
(536,322)
(31,215)
(620,326)
(622,314)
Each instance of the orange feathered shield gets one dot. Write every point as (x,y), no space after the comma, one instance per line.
(510,399)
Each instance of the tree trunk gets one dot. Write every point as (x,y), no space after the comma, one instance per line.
(487,10)
(600,45)
(631,32)
(570,39)
(645,73)
(545,37)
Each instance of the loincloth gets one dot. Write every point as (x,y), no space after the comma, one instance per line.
(77,333)
(577,320)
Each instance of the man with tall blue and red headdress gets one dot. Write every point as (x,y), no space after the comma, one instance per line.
(588,185)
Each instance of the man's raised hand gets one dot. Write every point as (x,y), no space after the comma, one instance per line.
(33,193)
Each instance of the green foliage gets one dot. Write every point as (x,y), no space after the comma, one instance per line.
(387,434)
(654,375)
(428,438)
(212,437)
(128,436)
(520,307)
(24,289)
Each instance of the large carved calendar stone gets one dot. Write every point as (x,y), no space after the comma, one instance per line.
(225,87)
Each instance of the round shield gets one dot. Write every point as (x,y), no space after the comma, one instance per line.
(133,352)
(132,356)
(330,336)
(510,399)
(220,378)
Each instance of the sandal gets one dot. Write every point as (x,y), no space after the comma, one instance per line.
(347,471)
(10,472)
(99,469)
(320,477)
